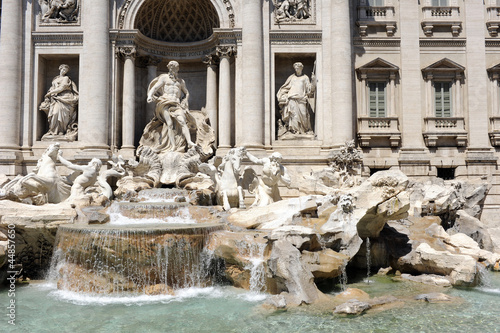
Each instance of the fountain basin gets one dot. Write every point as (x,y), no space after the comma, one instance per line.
(143,259)
(163,211)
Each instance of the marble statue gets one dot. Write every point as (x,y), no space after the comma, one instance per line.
(346,161)
(59,11)
(60,105)
(228,179)
(43,181)
(295,107)
(117,170)
(87,178)
(265,187)
(140,175)
(170,129)
(291,10)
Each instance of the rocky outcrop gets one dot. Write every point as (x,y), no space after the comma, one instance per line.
(445,198)
(35,232)
(472,227)
(290,274)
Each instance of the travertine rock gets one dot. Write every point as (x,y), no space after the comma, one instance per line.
(432,279)
(352,307)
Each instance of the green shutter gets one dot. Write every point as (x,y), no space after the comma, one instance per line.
(442,99)
(440,3)
(377,103)
(377,3)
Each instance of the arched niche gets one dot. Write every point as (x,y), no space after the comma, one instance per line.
(131,8)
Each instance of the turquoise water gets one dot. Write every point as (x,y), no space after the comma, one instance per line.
(42,308)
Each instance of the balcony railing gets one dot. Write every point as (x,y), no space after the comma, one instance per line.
(445,129)
(493,20)
(385,128)
(495,131)
(441,16)
(376,16)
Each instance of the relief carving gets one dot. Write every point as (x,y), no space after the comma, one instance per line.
(292,11)
(59,11)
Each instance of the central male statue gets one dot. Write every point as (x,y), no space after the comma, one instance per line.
(170,128)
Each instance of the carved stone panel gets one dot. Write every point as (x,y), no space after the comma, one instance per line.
(59,11)
(294,11)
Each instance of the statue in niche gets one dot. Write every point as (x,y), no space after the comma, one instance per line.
(60,105)
(265,187)
(288,11)
(60,11)
(294,98)
(174,127)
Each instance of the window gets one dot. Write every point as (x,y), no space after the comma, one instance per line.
(446,173)
(442,99)
(377,99)
(440,3)
(375,3)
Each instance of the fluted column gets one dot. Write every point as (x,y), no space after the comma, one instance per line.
(253,75)
(94,76)
(342,72)
(128,118)
(211,93)
(224,53)
(152,66)
(10,74)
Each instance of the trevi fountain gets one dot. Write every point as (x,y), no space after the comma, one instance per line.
(226,166)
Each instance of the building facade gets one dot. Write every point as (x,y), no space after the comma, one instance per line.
(415,83)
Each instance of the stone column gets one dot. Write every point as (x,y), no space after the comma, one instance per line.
(10,74)
(128,117)
(364,92)
(495,110)
(224,52)
(94,76)
(392,97)
(429,109)
(458,96)
(253,75)
(480,157)
(342,108)
(152,66)
(211,93)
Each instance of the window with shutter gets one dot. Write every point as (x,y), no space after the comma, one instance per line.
(377,99)
(442,99)
(440,3)
(376,3)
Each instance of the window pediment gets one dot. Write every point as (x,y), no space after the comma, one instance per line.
(443,69)
(377,68)
(494,72)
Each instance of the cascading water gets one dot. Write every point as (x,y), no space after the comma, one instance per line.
(152,255)
(343,276)
(368,259)
(255,256)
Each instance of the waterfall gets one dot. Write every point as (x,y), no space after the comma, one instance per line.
(100,259)
(343,276)
(368,259)
(253,253)
(483,276)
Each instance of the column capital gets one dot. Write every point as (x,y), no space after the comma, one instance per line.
(153,61)
(127,51)
(225,51)
(210,59)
